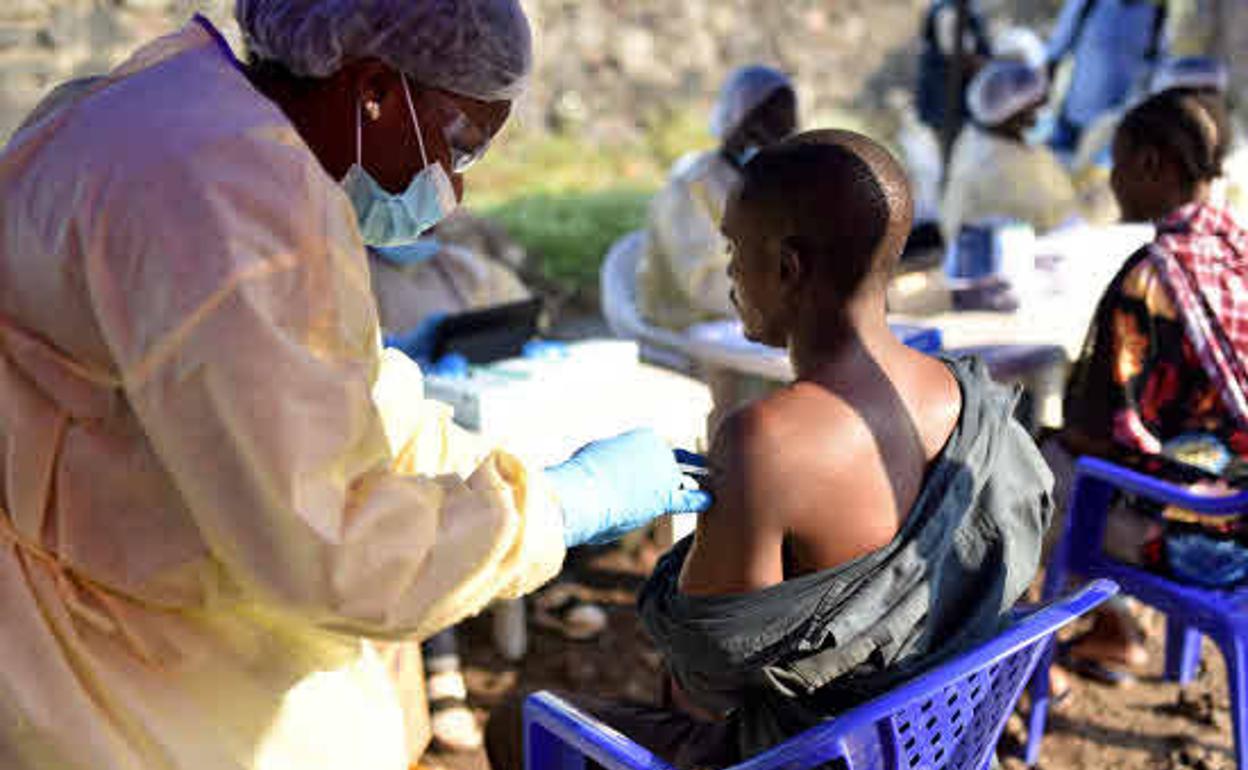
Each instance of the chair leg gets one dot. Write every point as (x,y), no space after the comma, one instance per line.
(1182,652)
(1039,704)
(1235,650)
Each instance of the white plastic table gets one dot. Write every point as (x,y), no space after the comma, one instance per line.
(1031,346)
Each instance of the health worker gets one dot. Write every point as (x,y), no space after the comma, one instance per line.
(216,487)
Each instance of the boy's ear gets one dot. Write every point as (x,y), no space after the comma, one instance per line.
(793,268)
(1151,163)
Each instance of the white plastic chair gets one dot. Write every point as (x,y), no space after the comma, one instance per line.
(618,287)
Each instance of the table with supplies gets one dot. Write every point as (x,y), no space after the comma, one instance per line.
(560,396)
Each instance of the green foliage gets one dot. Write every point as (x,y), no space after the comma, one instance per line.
(566,199)
(558,164)
(569,234)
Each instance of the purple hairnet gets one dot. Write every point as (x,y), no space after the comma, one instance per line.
(478,48)
(745,89)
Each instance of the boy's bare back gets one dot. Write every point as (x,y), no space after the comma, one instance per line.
(826,469)
(821,472)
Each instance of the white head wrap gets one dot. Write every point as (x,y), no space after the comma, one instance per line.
(1003,89)
(477,48)
(1190,72)
(745,89)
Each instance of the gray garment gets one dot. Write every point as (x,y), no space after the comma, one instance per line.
(790,656)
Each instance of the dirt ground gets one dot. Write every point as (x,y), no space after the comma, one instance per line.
(1149,725)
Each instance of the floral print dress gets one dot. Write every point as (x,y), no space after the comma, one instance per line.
(1160,385)
(1147,385)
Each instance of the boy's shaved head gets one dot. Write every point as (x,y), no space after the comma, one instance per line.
(836,197)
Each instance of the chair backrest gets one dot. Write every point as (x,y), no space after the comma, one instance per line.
(618,289)
(947,719)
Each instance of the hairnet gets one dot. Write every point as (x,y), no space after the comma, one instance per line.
(1199,72)
(745,89)
(477,48)
(1003,89)
(1020,44)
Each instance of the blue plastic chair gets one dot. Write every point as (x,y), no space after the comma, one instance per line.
(947,719)
(1190,611)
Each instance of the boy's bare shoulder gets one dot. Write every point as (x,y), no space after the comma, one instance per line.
(835,466)
(788,423)
(769,461)
(790,446)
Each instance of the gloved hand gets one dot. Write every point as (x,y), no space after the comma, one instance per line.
(611,487)
(417,342)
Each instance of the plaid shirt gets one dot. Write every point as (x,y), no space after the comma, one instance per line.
(1201,253)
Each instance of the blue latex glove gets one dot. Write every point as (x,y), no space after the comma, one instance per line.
(545,350)
(417,342)
(611,487)
(449,366)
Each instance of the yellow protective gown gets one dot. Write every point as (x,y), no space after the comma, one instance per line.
(682,278)
(990,176)
(214,484)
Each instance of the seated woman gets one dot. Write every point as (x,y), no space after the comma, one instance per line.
(1161,384)
(681,279)
(995,172)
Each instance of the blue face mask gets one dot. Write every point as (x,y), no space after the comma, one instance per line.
(409,254)
(1042,131)
(746,155)
(386,219)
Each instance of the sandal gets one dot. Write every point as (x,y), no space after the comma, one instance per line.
(1060,687)
(1116,673)
(559,609)
(1097,671)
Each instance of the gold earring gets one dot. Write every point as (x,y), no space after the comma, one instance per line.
(373,109)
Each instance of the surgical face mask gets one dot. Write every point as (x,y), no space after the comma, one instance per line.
(1042,130)
(387,219)
(409,254)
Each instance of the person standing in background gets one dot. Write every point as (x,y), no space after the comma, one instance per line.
(938,58)
(1115,45)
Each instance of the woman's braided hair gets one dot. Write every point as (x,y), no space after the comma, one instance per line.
(1191,127)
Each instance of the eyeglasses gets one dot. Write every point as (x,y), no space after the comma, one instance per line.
(466,140)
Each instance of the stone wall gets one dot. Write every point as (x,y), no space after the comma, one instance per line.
(43,42)
(604,66)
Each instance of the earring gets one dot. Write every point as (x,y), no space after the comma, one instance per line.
(373,109)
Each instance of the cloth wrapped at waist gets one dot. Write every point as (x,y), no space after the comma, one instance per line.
(782,659)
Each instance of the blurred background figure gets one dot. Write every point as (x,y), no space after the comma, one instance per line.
(682,278)
(1114,44)
(939,56)
(431,277)
(1216,29)
(995,171)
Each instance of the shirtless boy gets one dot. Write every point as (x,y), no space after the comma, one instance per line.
(882,512)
